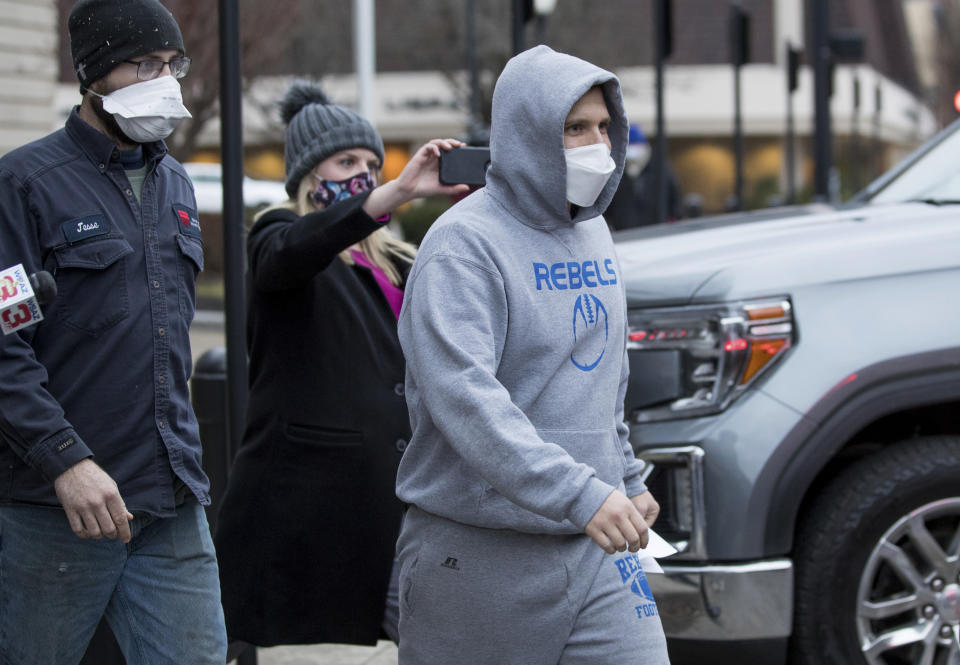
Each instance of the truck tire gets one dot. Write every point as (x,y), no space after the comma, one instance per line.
(876,555)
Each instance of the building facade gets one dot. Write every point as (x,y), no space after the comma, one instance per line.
(28,70)
(878,107)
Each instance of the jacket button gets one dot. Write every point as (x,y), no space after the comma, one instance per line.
(401,445)
(398,389)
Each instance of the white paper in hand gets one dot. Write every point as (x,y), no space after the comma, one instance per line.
(656,547)
(648,563)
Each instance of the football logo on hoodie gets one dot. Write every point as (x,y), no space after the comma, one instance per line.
(590,332)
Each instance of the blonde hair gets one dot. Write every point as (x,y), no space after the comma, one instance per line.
(380,246)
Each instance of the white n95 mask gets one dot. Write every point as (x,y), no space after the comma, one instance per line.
(149,110)
(588,169)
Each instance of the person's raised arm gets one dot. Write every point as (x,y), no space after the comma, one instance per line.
(419,178)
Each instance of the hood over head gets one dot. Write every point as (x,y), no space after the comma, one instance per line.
(531,101)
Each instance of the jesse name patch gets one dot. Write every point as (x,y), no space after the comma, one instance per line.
(84,227)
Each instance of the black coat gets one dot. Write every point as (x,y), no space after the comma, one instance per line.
(635,201)
(306,532)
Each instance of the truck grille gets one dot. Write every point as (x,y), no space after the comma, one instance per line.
(675,477)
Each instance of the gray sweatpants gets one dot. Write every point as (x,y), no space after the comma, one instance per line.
(475,596)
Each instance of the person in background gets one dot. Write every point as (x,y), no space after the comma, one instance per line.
(102,489)
(308,525)
(524,493)
(635,201)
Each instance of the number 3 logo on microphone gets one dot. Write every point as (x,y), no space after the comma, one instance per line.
(22,317)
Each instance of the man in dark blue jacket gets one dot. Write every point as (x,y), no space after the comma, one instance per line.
(101,486)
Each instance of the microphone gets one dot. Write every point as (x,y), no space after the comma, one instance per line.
(44,286)
(21,296)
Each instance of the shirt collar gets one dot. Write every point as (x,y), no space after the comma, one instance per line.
(100,149)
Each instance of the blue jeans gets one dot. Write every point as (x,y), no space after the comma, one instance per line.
(160,593)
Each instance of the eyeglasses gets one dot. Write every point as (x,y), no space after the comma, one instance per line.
(150,69)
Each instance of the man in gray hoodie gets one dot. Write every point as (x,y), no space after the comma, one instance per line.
(526,501)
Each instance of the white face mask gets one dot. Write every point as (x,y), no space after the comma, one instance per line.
(149,110)
(638,156)
(588,169)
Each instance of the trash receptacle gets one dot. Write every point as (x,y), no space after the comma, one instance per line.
(208,393)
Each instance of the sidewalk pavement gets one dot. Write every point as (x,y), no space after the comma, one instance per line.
(206,333)
(385,653)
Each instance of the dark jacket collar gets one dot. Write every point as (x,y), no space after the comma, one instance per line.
(100,149)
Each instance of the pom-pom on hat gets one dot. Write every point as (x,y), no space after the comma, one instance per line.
(104,33)
(317,129)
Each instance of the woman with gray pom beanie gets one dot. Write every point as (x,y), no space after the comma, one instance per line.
(308,524)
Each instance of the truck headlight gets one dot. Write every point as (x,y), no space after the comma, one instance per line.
(694,361)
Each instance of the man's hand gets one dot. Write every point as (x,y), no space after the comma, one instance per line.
(618,525)
(92,502)
(648,507)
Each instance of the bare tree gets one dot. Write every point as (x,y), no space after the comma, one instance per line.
(492,50)
(264,30)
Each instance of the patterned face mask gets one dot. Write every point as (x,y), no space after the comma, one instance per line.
(327,192)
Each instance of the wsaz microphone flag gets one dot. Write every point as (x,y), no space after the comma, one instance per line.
(19,303)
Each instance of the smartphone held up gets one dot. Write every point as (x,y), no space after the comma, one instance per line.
(466,165)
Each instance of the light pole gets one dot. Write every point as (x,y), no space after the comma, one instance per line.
(793,82)
(664,47)
(365,57)
(739,56)
(231,148)
(822,72)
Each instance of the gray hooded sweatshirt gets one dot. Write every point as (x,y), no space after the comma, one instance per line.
(514,325)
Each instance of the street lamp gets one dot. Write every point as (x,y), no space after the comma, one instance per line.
(523,11)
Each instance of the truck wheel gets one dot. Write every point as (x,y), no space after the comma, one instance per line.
(878,561)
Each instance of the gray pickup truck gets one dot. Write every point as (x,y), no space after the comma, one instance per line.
(795,388)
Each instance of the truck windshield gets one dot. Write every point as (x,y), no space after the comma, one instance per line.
(931,174)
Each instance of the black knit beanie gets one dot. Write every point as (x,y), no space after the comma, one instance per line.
(104,33)
(317,129)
